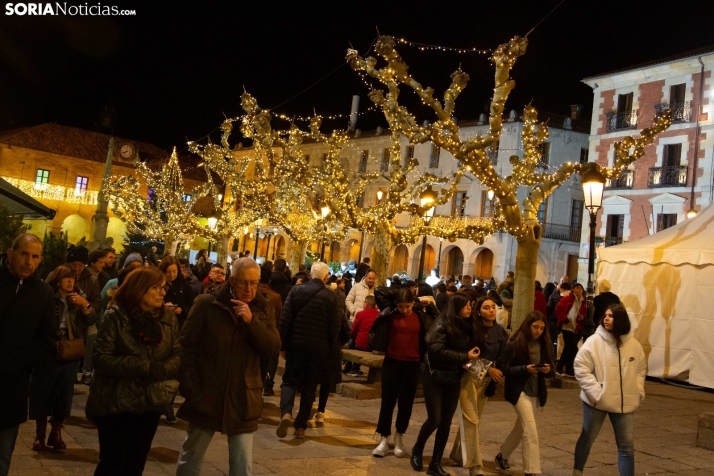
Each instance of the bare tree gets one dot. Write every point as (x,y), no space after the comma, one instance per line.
(520,220)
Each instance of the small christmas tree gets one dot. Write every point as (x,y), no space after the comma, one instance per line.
(54,253)
(10,227)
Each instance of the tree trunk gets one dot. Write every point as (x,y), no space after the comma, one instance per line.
(170,244)
(297,255)
(222,249)
(524,285)
(380,255)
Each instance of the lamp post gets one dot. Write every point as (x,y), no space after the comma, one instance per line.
(325,210)
(593,187)
(212,221)
(426,199)
(257,237)
(275,243)
(438,263)
(379,195)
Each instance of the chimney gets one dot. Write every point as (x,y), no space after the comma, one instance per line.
(575,110)
(353,113)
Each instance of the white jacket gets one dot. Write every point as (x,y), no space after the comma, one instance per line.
(355,299)
(611,379)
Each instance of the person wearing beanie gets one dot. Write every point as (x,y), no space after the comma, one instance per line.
(88,284)
(133,258)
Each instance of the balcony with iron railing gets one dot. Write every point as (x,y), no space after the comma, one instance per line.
(669,176)
(623,182)
(681,112)
(617,121)
(562,232)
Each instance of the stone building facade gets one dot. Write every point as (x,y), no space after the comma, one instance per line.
(675,174)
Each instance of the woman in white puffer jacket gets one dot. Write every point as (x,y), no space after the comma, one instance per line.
(610,368)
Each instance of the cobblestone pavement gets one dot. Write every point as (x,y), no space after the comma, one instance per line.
(666,427)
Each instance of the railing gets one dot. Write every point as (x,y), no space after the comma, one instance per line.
(612,241)
(617,121)
(624,181)
(675,176)
(681,112)
(562,232)
(48,191)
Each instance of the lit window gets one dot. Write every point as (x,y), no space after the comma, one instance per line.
(80,185)
(486,206)
(186,197)
(43,176)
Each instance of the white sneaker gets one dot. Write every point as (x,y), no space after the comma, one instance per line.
(399,445)
(381,448)
(320,417)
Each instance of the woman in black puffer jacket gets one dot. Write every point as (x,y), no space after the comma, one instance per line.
(451,344)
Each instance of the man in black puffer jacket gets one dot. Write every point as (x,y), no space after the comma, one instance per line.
(279,282)
(28,335)
(309,329)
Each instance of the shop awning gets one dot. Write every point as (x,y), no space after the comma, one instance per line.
(20,203)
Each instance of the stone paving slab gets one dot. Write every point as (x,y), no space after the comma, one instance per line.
(665,440)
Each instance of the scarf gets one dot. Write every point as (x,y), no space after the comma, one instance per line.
(146,325)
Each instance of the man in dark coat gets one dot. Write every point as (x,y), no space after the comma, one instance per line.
(268,367)
(309,329)
(28,335)
(226,334)
(88,283)
(363,267)
(279,282)
(110,270)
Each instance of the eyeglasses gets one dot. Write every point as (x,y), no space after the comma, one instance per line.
(217,272)
(243,284)
(159,288)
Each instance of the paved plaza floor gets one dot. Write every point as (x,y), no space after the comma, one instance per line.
(664,440)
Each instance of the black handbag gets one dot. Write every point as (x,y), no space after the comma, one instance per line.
(440,378)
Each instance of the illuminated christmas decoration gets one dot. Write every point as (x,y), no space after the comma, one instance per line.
(163,213)
(518,219)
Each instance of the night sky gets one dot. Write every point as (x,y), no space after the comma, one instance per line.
(171,72)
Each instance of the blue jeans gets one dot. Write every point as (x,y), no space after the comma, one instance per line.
(240,452)
(8,436)
(624,426)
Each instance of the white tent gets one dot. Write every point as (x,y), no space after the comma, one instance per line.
(666,282)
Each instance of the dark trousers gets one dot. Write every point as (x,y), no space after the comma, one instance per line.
(324,395)
(302,373)
(441,402)
(570,350)
(124,442)
(268,367)
(399,385)
(554,331)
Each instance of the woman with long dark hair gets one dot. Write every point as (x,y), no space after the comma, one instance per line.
(399,331)
(491,339)
(179,296)
(451,343)
(610,368)
(52,390)
(527,360)
(136,359)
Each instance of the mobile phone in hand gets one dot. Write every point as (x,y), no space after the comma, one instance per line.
(539,366)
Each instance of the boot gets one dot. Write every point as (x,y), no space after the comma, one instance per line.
(416,460)
(435,468)
(40,432)
(55,438)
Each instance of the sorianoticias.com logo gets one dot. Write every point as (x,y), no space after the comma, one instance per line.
(63,9)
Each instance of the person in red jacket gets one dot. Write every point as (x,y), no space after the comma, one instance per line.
(570,312)
(363,323)
(539,302)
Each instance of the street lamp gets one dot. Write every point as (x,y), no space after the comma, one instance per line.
(426,200)
(593,187)
(212,221)
(380,194)
(490,195)
(691,213)
(258,223)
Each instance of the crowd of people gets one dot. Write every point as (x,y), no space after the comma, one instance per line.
(154,327)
